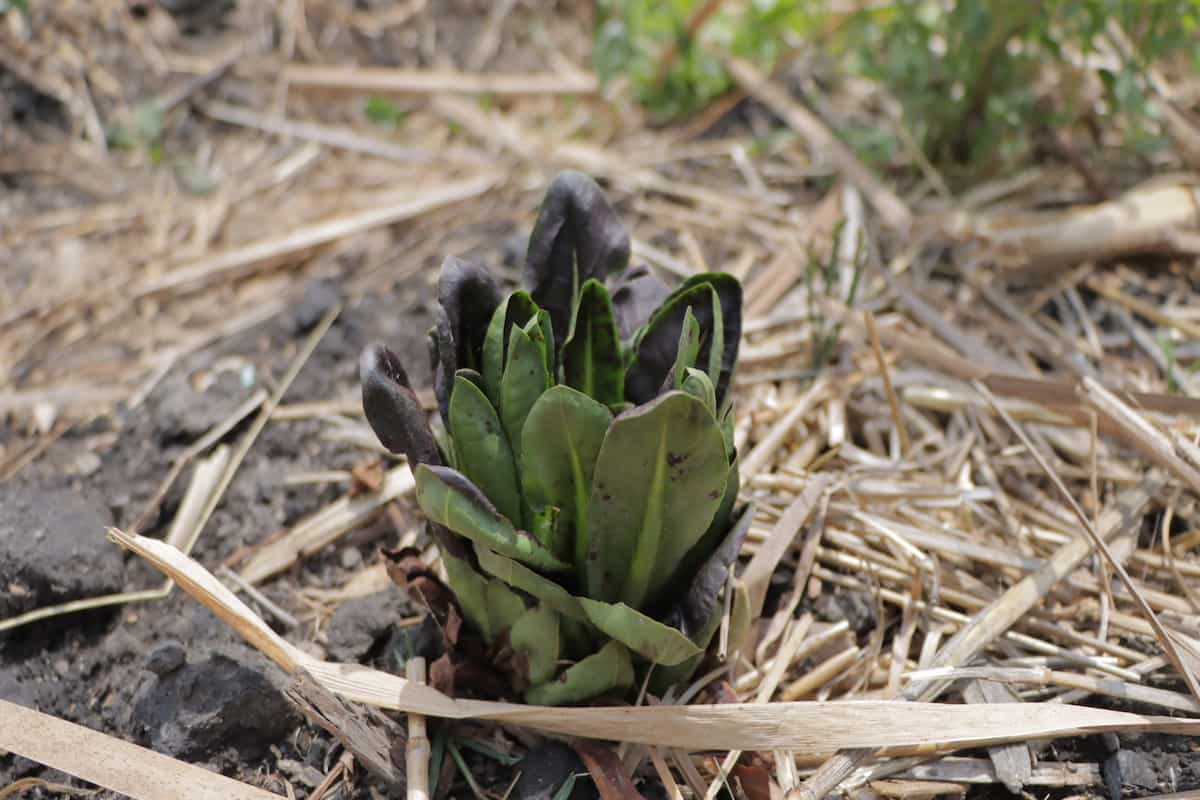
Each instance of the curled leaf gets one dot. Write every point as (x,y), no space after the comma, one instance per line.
(729,295)
(577,236)
(449,499)
(715,299)
(392,408)
(652,640)
(656,346)
(469,295)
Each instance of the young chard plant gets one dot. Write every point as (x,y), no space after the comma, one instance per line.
(583,484)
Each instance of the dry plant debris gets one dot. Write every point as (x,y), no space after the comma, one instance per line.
(908,545)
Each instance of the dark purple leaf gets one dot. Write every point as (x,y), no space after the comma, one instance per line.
(729,293)
(469,294)
(577,236)
(635,297)
(658,342)
(443,360)
(392,408)
(693,610)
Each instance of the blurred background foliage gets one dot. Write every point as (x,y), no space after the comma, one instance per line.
(975,82)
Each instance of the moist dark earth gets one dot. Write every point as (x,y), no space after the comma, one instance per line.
(169,675)
(166,673)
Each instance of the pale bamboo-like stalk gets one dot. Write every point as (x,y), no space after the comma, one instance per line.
(417,749)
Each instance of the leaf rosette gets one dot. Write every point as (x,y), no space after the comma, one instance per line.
(582,482)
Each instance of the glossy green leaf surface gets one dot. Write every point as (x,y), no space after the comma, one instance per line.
(524,379)
(591,356)
(607,670)
(516,309)
(561,442)
(699,386)
(689,349)
(449,499)
(659,479)
(652,640)
(482,449)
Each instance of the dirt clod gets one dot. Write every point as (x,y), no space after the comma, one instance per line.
(359,624)
(230,699)
(52,549)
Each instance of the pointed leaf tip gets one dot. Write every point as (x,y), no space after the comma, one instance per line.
(577,236)
(392,408)
(467,296)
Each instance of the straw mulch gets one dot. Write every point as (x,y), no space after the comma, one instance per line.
(947,402)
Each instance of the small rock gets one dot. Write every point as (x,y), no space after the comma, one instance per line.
(232,698)
(52,549)
(547,767)
(319,296)
(166,657)
(360,623)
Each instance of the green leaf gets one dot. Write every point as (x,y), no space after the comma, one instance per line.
(561,441)
(716,343)
(488,604)
(689,349)
(449,499)
(592,361)
(577,236)
(467,297)
(546,325)
(699,386)
(609,669)
(535,636)
(483,451)
(519,576)
(524,379)
(516,309)
(659,480)
(382,111)
(649,638)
